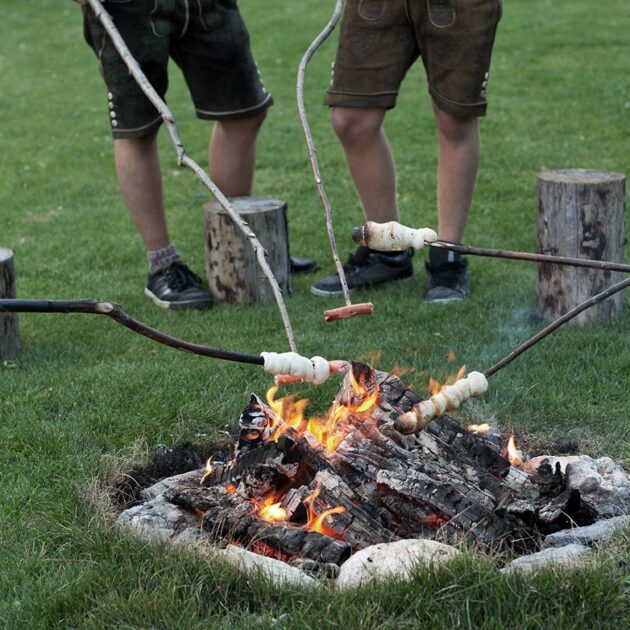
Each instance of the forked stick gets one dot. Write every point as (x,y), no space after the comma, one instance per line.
(286,367)
(349,310)
(184,160)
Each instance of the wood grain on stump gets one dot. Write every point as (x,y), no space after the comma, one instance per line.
(580,215)
(9,338)
(232,268)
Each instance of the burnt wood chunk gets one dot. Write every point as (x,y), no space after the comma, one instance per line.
(375,486)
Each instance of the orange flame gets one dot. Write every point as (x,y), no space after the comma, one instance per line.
(315,522)
(271,510)
(514,455)
(208,471)
(290,414)
(435,386)
(484,427)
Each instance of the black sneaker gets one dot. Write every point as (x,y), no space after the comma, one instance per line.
(177,287)
(303,265)
(367,267)
(448,276)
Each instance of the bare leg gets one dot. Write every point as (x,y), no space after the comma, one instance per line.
(369,159)
(140,178)
(457,172)
(232,154)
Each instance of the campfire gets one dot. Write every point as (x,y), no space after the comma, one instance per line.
(318,489)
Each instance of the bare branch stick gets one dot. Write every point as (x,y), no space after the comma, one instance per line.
(185,160)
(317,42)
(116,313)
(615,288)
(511,255)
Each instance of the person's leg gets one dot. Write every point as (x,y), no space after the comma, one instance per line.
(457,172)
(371,165)
(232,154)
(140,178)
(369,159)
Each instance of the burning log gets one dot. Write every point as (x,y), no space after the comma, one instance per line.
(318,489)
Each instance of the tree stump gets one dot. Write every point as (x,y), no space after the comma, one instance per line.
(580,215)
(232,269)
(9,338)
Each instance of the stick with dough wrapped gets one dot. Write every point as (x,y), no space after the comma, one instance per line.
(392,236)
(448,398)
(290,367)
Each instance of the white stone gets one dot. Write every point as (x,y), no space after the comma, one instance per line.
(569,555)
(274,570)
(597,532)
(396,560)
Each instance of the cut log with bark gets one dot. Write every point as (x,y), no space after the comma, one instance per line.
(9,332)
(232,268)
(580,215)
(361,482)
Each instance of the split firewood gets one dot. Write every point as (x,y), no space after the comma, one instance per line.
(392,236)
(448,398)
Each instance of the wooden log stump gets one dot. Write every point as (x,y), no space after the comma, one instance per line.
(580,215)
(9,338)
(232,269)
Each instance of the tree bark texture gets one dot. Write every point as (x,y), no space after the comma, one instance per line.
(580,215)
(9,337)
(231,267)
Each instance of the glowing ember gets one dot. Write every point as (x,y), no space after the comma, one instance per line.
(484,427)
(230,488)
(271,510)
(514,455)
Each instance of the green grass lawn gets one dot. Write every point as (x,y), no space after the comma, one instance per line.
(85,392)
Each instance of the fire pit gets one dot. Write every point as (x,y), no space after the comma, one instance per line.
(313,491)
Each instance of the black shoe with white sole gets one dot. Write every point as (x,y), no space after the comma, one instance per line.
(448,276)
(177,287)
(367,267)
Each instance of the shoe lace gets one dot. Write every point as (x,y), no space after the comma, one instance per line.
(179,276)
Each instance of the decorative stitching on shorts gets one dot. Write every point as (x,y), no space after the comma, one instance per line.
(207,112)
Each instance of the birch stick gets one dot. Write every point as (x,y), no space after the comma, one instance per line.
(185,160)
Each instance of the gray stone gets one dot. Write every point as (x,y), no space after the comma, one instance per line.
(569,555)
(598,532)
(603,484)
(156,519)
(191,477)
(396,560)
(274,570)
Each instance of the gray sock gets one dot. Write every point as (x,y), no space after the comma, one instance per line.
(162,258)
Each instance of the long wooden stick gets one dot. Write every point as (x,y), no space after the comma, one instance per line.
(110,309)
(606,293)
(548,258)
(185,160)
(349,310)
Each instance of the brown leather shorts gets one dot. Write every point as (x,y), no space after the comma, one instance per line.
(381,39)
